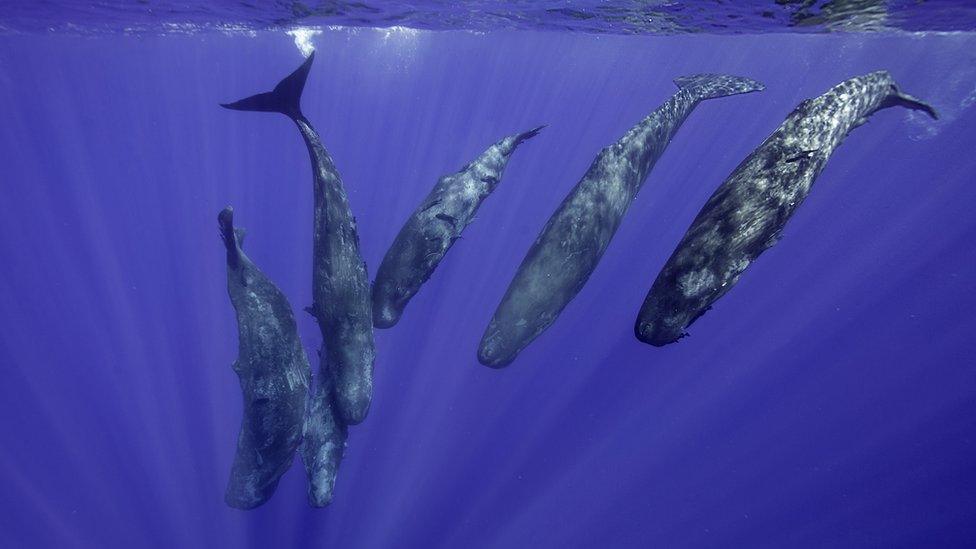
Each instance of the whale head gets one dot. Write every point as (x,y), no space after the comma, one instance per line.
(659,331)
(389,300)
(385,315)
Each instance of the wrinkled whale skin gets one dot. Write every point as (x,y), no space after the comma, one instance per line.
(747,213)
(273,372)
(434,227)
(570,246)
(340,299)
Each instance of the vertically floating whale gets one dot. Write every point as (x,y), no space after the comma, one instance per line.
(575,237)
(325,443)
(274,375)
(748,211)
(340,287)
(434,226)
(341,297)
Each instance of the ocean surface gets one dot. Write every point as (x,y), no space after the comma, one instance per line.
(829,400)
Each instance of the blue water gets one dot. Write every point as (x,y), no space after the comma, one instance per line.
(829,400)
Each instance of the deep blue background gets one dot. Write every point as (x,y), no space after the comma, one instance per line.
(828,400)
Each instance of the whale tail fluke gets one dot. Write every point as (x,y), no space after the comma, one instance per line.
(710,86)
(285,98)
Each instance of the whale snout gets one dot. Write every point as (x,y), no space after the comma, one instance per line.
(493,352)
(492,359)
(385,315)
(657,334)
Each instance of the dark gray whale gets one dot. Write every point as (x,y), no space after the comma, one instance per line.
(325,443)
(434,226)
(340,287)
(573,240)
(274,375)
(341,299)
(746,214)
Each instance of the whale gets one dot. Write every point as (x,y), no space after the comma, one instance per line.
(273,372)
(434,226)
(340,299)
(577,234)
(324,443)
(747,213)
(340,285)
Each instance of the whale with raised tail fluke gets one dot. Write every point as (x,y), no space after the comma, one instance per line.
(340,294)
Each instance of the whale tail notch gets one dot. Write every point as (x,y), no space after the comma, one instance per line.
(710,86)
(285,98)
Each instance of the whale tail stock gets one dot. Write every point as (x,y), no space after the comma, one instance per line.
(529,134)
(285,98)
(710,86)
(233,237)
(901,99)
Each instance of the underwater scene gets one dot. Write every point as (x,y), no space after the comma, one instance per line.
(526,274)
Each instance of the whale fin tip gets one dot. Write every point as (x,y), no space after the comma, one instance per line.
(284,98)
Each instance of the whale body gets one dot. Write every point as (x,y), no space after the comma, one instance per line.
(574,239)
(747,213)
(434,226)
(273,372)
(340,294)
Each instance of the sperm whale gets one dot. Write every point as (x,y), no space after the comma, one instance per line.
(340,287)
(747,213)
(340,298)
(434,226)
(574,239)
(273,372)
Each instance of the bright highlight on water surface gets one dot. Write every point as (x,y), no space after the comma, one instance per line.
(303,39)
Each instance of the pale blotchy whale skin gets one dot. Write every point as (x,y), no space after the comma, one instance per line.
(575,237)
(434,226)
(341,297)
(748,211)
(274,375)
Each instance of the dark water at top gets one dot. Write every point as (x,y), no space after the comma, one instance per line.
(829,400)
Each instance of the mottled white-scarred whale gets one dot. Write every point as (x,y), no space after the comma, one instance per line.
(746,214)
(434,226)
(273,372)
(575,237)
(340,293)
